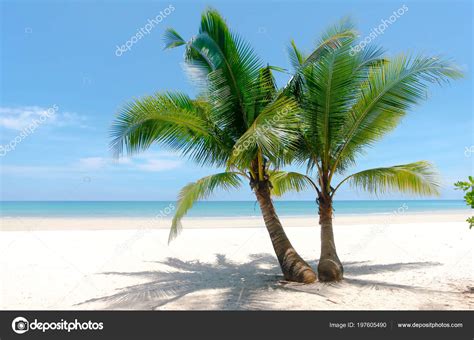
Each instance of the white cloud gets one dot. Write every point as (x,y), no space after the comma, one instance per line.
(97,164)
(153,161)
(92,163)
(147,162)
(159,165)
(28,170)
(70,118)
(157,154)
(124,160)
(19,118)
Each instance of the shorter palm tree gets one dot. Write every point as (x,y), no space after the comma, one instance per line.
(349,101)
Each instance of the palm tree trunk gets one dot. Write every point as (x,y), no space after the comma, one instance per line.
(294,268)
(330,267)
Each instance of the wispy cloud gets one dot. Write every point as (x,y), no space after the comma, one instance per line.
(92,163)
(19,118)
(27,170)
(146,162)
(97,164)
(159,165)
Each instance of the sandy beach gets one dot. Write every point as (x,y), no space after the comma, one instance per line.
(408,261)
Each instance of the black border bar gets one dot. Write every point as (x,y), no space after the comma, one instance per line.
(243,325)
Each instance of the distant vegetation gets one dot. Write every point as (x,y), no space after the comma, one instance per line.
(468,188)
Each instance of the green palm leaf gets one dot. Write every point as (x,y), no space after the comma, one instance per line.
(384,98)
(201,189)
(297,57)
(327,89)
(238,103)
(174,120)
(285,181)
(228,67)
(263,92)
(419,178)
(330,89)
(172,39)
(331,39)
(273,130)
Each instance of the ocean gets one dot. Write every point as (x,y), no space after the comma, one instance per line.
(234,209)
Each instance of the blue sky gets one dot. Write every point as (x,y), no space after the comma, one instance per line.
(61,56)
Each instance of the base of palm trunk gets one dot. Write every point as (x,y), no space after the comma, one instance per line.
(330,269)
(296,269)
(293,267)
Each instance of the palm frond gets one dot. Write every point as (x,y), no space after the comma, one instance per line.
(331,39)
(418,178)
(229,65)
(329,91)
(173,120)
(172,39)
(286,181)
(329,88)
(272,131)
(261,94)
(297,58)
(223,65)
(384,98)
(201,189)
(370,58)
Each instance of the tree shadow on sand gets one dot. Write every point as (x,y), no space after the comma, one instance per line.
(238,285)
(237,281)
(352,271)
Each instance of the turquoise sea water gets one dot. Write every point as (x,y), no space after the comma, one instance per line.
(217,208)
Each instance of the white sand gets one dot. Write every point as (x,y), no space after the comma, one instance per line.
(391,262)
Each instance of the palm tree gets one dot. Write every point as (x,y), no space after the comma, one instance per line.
(349,101)
(239,122)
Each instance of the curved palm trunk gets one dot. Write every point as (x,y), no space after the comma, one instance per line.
(294,268)
(330,267)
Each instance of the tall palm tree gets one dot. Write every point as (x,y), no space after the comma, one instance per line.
(349,101)
(239,122)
